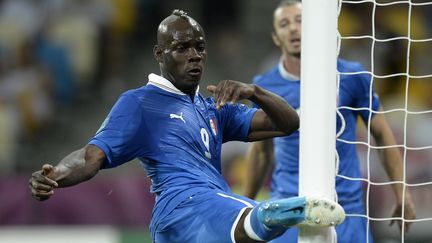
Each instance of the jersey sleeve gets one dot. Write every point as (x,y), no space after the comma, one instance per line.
(363,94)
(117,135)
(236,120)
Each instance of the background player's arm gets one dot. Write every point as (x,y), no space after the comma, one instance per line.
(259,160)
(393,165)
(78,166)
(275,118)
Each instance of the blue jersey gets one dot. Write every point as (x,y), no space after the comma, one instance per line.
(354,91)
(177,139)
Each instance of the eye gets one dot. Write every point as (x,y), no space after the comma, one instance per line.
(283,23)
(180,48)
(201,47)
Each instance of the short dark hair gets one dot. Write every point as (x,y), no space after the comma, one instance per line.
(288,2)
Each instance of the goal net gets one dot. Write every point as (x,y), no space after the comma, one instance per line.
(393,41)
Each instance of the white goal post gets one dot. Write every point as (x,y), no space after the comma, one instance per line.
(318,107)
(319,87)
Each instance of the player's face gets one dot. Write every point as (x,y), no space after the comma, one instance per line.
(287,29)
(184,55)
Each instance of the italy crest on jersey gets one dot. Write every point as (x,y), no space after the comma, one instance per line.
(213,125)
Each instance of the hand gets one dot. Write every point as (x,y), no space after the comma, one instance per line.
(229,91)
(409,213)
(42,182)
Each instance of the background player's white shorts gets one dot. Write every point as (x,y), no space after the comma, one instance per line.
(206,217)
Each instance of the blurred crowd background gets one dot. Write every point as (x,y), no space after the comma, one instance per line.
(64,63)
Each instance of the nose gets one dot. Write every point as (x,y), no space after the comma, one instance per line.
(194,55)
(294,27)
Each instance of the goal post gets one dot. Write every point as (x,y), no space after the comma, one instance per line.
(318,107)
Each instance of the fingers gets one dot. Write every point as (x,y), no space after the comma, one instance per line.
(235,96)
(223,92)
(227,91)
(409,214)
(40,178)
(399,223)
(39,186)
(396,213)
(407,227)
(47,169)
(215,90)
(225,95)
(42,187)
(218,92)
(211,88)
(40,194)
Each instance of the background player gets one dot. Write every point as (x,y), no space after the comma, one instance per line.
(354,91)
(177,135)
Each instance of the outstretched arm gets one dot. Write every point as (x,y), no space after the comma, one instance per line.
(275,118)
(393,165)
(259,160)
(78,166)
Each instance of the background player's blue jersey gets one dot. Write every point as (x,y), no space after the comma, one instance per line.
(178,139)
(354,91)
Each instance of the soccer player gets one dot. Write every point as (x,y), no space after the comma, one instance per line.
(354,91)
(177,136)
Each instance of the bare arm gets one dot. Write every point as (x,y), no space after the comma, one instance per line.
(78,166)
(258,163)
(276,118)
(393,165)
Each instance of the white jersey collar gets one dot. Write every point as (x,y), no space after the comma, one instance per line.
(165,84)
(285,74)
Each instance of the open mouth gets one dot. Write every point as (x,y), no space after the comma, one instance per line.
(194,71)
(295,40)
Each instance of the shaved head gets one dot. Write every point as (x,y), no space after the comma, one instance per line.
(178,21)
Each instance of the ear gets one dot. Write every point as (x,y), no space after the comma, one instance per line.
(157,53)
(275,38)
